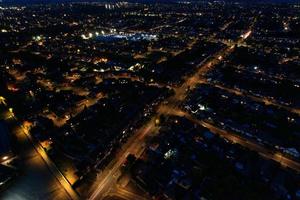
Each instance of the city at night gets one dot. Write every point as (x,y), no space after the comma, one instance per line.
(149,100)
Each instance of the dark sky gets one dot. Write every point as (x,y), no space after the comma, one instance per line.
(57,1)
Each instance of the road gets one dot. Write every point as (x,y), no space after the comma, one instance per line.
(52,167)
(135,144)
(125,194)
(263,100)
(35,180)
(73,111)
(125,75)
(25,46)
(42,179)
(89,101)
(234,138)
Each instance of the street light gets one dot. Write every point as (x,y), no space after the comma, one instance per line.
(157,122)
(10,110)
(2,100)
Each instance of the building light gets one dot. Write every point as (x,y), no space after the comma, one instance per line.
(157,121)
(83,37)
(4,158)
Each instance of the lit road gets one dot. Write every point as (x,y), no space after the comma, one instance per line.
(74,111)
(263,151)
(108,177)
(131,77)
(125,194)
(168,25)
(35,180)
(59,121)
(264,100)
(41,179)
(25,46)
(52,167)
(135,145)
(260,99)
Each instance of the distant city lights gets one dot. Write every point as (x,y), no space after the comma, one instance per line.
(112,34)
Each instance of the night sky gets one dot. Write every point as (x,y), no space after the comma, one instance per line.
(143,1)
